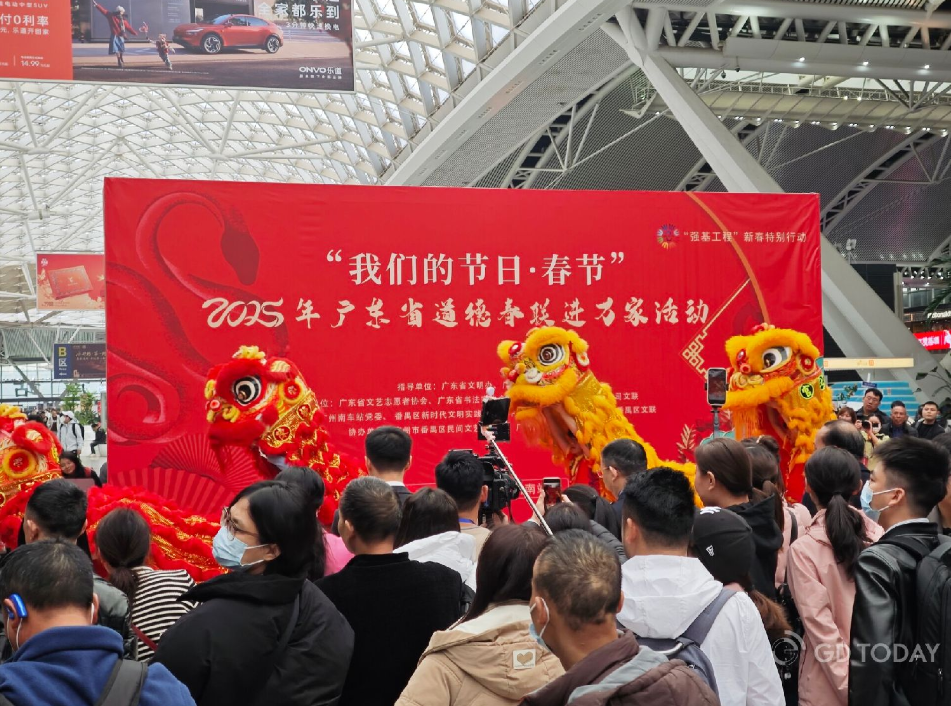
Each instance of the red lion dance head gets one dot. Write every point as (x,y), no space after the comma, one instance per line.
(256,401)
(29,456)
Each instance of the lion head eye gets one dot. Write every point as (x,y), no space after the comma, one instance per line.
(246,390)
(775,357)
(551,354)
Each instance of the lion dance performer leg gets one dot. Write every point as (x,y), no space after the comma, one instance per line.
(778,389)
(560,405)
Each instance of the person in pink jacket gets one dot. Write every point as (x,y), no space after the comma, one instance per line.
(820,575)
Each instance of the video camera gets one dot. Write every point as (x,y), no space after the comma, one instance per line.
(498,475)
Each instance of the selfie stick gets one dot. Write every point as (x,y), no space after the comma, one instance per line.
(494,448)
(716,421)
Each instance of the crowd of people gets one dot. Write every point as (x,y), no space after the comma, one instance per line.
(409,599)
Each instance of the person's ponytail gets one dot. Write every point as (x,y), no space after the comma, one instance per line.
(123,541)
(124,578)
(834,476)
(846,531)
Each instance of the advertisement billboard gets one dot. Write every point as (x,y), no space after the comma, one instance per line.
(79,361)
(935,340)
(70,281)
(282,44)
(394,318)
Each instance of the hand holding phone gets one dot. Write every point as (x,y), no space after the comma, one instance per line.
(551,488)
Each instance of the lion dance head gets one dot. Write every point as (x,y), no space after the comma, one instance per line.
(777,388)
(560,405)
(29,456)
(265,403)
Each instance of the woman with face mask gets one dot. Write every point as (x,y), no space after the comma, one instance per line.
(263,633)
(821,575)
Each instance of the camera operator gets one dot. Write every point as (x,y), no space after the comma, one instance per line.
(462,476)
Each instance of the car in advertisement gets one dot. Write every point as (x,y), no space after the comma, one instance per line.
(304,45)
(230,32)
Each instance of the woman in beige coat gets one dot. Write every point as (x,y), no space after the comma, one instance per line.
(820,570)
(489,658)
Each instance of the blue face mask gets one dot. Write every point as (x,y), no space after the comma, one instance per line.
(866,498)
(537,635)
(229,550)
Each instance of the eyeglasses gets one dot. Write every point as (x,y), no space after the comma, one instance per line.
(228,523)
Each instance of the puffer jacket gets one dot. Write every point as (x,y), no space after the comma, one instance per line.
(226,650)
(488,661)
(116,613)
(803,520)
(622,673)
(453,550)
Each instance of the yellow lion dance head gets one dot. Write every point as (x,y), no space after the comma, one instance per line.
(560,405)
(777,388)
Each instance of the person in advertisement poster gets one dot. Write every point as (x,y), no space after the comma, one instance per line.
(163,48)
(118,25)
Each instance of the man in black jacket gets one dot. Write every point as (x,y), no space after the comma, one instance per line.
(897,425)
(393,604)
(929,427)
(910,478)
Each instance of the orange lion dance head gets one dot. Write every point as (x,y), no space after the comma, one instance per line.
(777,388)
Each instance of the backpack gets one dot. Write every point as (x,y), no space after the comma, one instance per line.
(926,679)
(123,688)
(787,652)
(686,647)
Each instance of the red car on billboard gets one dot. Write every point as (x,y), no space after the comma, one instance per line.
(230,32)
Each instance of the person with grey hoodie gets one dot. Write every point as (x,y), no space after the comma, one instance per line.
(488,658)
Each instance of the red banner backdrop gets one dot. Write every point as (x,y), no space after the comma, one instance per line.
(393,300)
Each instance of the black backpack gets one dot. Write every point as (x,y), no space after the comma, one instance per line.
(686,647)
(926,675)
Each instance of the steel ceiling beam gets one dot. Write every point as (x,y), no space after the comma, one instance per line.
(563,30)
(863,184)
(857,318)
